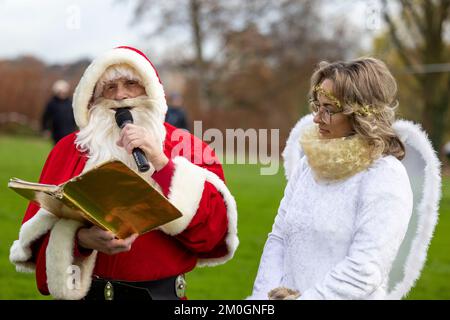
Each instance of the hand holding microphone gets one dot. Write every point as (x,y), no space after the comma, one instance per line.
(139,142)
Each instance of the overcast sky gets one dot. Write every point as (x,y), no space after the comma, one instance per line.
(59,31)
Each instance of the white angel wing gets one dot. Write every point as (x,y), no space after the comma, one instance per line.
(292,152)
(423,169)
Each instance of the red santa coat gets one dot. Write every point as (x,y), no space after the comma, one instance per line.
(205,235)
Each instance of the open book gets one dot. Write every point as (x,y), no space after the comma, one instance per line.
(111,196)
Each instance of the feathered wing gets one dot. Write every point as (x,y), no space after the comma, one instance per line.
(423,169)
(292,152)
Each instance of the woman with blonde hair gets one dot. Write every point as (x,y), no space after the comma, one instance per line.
(353,223)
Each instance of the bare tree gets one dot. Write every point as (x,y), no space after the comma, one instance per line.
(260,55)
(419,39)
(202,20)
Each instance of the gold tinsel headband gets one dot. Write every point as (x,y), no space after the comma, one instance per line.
(319,90)
(364,110)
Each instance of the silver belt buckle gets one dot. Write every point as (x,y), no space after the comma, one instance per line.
(109,291)
(180,286)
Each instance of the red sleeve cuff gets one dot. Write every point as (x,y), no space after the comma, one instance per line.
(79,251)
(164,177)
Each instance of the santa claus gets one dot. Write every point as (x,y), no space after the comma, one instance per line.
(151,265)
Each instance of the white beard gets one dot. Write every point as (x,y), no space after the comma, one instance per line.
(100,135)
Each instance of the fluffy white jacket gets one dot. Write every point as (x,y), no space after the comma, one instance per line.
(337,240)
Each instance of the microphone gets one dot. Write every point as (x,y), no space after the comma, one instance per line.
(124,116)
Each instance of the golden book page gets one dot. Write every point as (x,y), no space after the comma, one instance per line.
(111,196)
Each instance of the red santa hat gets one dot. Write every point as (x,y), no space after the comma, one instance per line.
(118,56)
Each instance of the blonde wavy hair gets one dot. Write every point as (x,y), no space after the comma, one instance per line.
(367,92)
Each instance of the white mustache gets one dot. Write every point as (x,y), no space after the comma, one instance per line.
(141,102)
(99,137)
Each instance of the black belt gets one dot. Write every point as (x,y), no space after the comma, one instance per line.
(165,289)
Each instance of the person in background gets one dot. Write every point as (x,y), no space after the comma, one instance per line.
(58,115)
(176,115)
(447,150)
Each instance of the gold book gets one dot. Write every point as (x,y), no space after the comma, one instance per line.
(111,196)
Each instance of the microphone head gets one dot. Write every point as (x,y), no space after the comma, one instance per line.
(123,116)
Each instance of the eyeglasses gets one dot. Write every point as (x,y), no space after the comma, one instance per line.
(326,113)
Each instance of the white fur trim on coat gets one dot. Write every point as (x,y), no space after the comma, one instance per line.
(86,86)
(185,193)
(67,278)
(231,239)
(60,263)
(20,252)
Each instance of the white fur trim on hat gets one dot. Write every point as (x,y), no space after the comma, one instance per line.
(113,73)
(85,89)
(188,176)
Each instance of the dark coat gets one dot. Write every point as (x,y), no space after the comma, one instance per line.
(58,118)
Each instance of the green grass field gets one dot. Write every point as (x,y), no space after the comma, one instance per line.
(257,198)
